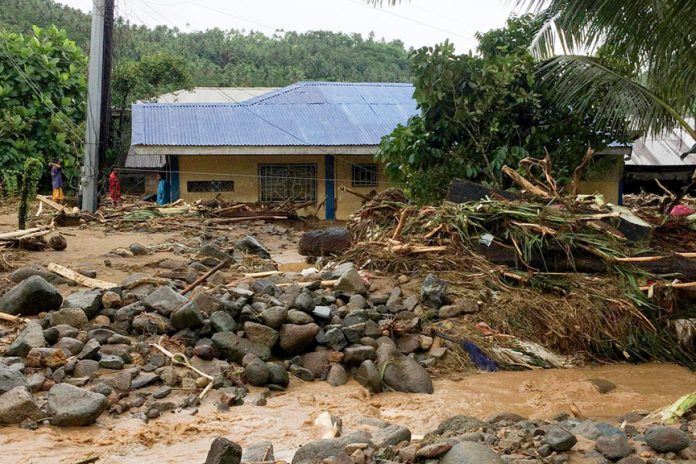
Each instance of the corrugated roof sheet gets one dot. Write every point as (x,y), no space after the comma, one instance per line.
(663,151)
(136,161)
(214,94)
(307,113)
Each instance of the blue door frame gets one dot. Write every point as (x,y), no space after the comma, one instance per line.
(330,187)
(174,178)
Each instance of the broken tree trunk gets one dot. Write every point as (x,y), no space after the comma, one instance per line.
(79,278)
(325,242)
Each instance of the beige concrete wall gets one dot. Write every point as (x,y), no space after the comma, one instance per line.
(244,170)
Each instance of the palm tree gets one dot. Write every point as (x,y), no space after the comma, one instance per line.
(657,37)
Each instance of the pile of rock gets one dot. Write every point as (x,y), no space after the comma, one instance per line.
(500,439)
(94,350)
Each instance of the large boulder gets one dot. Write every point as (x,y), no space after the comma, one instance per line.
(467,452)
(325,242)
(164,300)
(234,348)
(10,378)
(224,451)
(89,301)
(30,297)
(316,451)
(401,372)
(31,337)
(17,405)
(72,406)
(391,435)
(296,339)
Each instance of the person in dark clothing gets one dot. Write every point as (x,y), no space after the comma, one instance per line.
(57,181)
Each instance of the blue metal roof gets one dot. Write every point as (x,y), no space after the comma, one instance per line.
(307,113)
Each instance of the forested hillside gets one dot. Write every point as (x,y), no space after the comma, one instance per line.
(228,58)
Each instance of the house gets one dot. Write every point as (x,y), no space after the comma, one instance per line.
(213,95)
(304,143)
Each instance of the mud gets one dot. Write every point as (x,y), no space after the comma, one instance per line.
(288,420)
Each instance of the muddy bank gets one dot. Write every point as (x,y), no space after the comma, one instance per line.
(288,419)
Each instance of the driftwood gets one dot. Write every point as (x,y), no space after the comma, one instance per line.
(246,218)
(524,183)
(57,206)
(24,233)
(79,278)
(11,318)
(205,276)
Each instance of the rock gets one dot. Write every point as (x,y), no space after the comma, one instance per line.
(368,376)
(299,317)
(433,451)
(559,439)
(295,339)
(261,334)
(31,337)
(317,362)
(30,297)
(322,312)
(402,373)
(70,346)
(187,317)
(257,373)
(602,386)
(302,373)
(433,292)
(152,323)
(351,283)
(304,302)
(234,347)
(18,405)
(631,460)
(324,242)
(137,249)
(464,191)
(120,381)
(666,439)
(24,273)
(205,352)
(332,337)
(390,435)
(46,357)
(468,452)
(86,368)
(265,287)
(409,343)
(459,424)
(337,375)
(509,417)
(593,430)
(164,300)
(259,452)
(613,447)
(220,321)
(274,317)
(224,451)
(278,375)
(250,245)
(71,406)
(457,309)
(111,300)
(89,301)
(101,334)
(74,317)
(316,451)
(143,380)
(53,334)
(111,362)
(90,350)
(10,378)
(357,354)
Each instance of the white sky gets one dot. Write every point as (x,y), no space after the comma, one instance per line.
(416,23)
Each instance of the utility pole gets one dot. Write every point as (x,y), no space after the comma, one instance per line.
(97,88)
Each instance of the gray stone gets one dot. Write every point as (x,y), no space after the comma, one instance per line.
(508,417)
(125,315)
(304,302)
(559,439)
(31,337)
(402,373)
(74,317)
(457,309)
(259,452)
(30,297)
(302,373)
(70,346)
(356,316)
(101,334)
(187,317)
(337,375)
(368,376)
(316,451)
(666,439)
(459,424)
(72,406)
(593,430)
(90,350)
(274,317)
(24,273)
(351,283)
(234,347)
(391,435)
(602,386)
(265,287)
(277,375)
(251,245)
(357,302)
(18,405)
(224,451)
(152,323)
(86,368)
(613,447)
(322,312)
(318,362)
(143,380)
(53,334)
(89,301)
(295,339)
(165,300)
(357,354)
(111,362)
(433,291)
(261,334)
(468,452)
(10,378)
(220,321)
(332,337)
(299,317)
(257,373)
(120,381)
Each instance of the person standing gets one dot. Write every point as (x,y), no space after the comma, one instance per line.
(161,190)
(114,187)
(57,181)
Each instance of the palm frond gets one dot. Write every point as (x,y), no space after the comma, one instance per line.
(580,82)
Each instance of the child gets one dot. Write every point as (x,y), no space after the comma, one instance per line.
(114,187)
(57,181)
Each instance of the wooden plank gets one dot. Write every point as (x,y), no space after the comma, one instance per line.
(79,278)
(53,204)
(21,233)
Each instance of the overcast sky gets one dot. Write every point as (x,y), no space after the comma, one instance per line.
(416,23)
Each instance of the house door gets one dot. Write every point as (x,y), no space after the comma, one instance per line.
(288,183)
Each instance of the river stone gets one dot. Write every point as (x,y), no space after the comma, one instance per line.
(259,452)
(70,346)
(164,300)
(459,424)
(295,339)
(304,302)
(357,354)
(299,318)
(351,283)
(333,337)
(90,350)
(124,317)
(593,429)
(224,451)
(467,452)
(368,376)
(302,373)
(433,291)
(53,334)
(402,373)
(152,323)
(86,368)
(257,373)
(234,347)
(559,439)
(666,439)
(72,406)
(261,333)
(17,405)
(274,317)
(24,273)
(89,301)
(337,375)
(74,317)
(265,287)
(613,447)
(30,297)
(187,317)
(31,337)
(109,361)
(316,451)
(10,378)
(278,375)
(390,435)
(317,362)
(101,334)
(251,245)
(220,321)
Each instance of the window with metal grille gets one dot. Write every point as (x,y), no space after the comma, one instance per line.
(365,175)
(194,186)
(281,183)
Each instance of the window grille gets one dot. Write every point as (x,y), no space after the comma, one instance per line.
(365,175)
(281,183)
(195,186)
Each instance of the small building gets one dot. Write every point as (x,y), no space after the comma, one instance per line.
(304,144)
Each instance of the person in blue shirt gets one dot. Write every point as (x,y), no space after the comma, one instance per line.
(161,190)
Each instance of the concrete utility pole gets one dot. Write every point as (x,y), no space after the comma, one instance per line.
(96,103)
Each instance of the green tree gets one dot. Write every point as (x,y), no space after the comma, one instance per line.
(42,95)
(481,112)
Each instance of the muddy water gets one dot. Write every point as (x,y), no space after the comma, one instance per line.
(288,420)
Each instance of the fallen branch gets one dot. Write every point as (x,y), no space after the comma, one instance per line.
(79,278)
(205,276)
(57,206)
(11,318)
(402,223)
(256,275)
(23,233)
(417,249)
(578,171)
(524,183)
(357,194)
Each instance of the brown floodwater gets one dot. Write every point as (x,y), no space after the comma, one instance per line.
(288,419)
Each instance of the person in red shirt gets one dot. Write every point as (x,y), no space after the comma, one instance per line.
(114,187)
